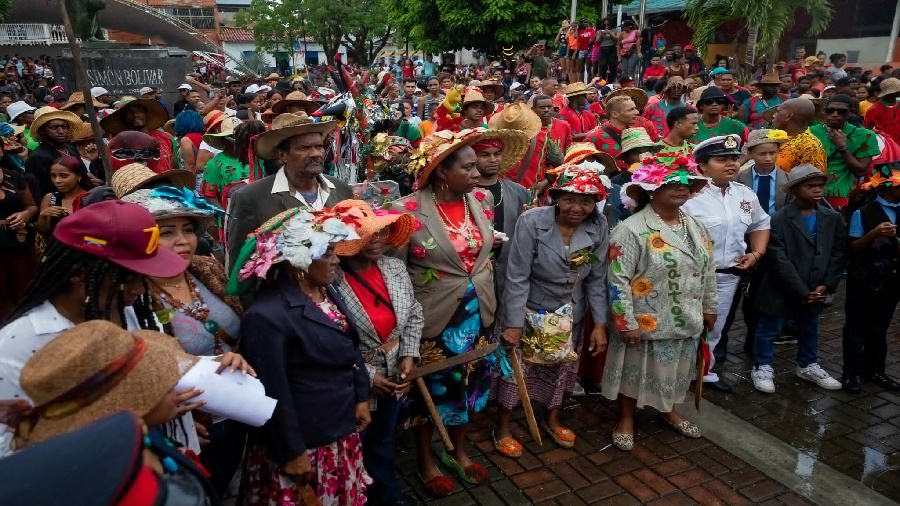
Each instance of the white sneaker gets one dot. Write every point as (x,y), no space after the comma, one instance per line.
(764,379)
(814,373)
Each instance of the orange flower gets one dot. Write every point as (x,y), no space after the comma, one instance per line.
(646,322)
(641,287)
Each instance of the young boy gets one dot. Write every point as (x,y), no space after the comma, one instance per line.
(805,262)
(873,281)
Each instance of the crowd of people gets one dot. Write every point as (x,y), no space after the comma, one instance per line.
(528,236)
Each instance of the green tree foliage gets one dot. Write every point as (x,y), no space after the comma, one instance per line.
(773,17)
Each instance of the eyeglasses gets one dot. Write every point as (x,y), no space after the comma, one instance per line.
(834,110)
(136,154)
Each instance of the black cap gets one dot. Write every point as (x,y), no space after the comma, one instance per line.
(725,145)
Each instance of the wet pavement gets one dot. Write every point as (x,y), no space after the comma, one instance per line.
(829,445)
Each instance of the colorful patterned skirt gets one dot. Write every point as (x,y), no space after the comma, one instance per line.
(338,476)
(463,389)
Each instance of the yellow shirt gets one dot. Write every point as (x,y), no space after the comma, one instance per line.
(800,149)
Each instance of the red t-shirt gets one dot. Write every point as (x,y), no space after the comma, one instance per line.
(381,316)
(886,118)
(655,71)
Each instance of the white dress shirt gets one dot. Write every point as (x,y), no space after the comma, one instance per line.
(281,184)
(729,217)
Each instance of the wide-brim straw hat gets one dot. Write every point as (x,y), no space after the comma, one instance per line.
(400,225)
(134,176)
(289,125)
(889,86)
(634,138)
(517,117)
(77,98)
(437,146)
(577,88)
(156,116)
(764,136)
(226,129)
(639,96)
(296,98)
(45,115)
(515,144)
(87,349)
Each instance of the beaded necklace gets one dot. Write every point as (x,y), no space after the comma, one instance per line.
(464,230)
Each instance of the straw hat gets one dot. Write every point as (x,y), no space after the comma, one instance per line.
(83,133)
(77,98)
(518,117)
(437,146)
(633,138)
(289,125)
(156,116)
(770,79)
(513,148)
(400,225)
(167,202)
(136,175)
(764,136)
(472,97)
(576,88)
(226,129)
(638,95)
(45,115)
(150,364)
(296,98)
(889,86)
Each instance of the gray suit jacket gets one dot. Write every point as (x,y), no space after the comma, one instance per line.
(539,276)
(254,204)
(745,177)
(515,198)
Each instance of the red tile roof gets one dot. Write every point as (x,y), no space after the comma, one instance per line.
(235,35)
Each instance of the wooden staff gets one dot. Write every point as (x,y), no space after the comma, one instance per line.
(420,382)
(523,394)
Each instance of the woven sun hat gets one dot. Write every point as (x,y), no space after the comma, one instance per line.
(582,179)
(45,115)
(368,223)
(96,369)
(156,116)
(576,88)
(578,152)
(654,173)
(639,96)
(135,176)
(473,96)
(77,98)
(512,143)
(764,136)
(805,172)
(298,101)
(634,138)
(226,129)
(437,146)
(882,175)
(166,202)
(518,117)
(889,86)
(286,126)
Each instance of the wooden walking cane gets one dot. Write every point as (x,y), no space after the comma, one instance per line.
(423,389)
(523,394)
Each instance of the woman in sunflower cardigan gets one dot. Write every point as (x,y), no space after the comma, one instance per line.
(662,294)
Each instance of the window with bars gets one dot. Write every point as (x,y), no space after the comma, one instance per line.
(202,18)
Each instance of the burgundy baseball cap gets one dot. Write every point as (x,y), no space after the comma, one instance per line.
(123,233)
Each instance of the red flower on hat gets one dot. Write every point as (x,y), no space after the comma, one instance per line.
(411,205)
(418,252)
(479,195)
(489,214)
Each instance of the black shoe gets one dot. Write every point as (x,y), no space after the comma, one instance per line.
(785,340)
(718,386)
(852,384)
(885,381)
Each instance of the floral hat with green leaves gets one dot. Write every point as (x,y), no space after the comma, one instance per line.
(654,172)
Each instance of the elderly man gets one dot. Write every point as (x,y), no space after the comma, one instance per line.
(147,116)
(794,117)
(298,144)
(53,129)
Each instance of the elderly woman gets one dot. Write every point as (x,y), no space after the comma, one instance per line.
(379,296)
(296,333)
(662,291)
(557,266)
(448,260)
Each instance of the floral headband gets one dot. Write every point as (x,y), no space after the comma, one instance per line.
(883,175)
(296,236)
(583,178)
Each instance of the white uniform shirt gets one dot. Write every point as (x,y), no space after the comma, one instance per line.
(729,218)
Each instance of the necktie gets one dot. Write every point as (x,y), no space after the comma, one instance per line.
(764,191)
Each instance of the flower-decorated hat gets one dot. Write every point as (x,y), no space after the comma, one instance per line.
(296,236)
(168,202)
(654,173)
(584,179)
(883,175)
(370,222)
(438,146)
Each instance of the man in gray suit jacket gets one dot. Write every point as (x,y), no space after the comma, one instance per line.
(298,144)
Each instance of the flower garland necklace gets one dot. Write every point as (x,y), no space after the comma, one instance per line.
(465,228)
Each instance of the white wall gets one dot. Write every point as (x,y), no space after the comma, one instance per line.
(871,49)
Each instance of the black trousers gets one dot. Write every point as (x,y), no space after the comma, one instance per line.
(868,317)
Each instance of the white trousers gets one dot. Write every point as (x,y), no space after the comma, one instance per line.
(726,286)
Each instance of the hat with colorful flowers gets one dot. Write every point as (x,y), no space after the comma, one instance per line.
(654,172)
(297,236)
(883,175)
(584,179)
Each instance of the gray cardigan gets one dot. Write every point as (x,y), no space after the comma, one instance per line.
(538,275)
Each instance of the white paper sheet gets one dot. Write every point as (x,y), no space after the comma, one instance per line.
(231,395)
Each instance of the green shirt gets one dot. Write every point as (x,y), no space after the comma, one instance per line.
(725,127)
(861,143)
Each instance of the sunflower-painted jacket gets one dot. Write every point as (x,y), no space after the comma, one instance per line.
(657,281)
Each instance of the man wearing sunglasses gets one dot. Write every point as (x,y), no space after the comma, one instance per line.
(849,149)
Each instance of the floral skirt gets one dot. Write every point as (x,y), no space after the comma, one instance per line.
(463,389)
(656,373)
(338,476)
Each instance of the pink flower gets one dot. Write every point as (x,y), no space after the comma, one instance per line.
(411,205)
(417,225)
(479,195)
(418,252)
(489,214)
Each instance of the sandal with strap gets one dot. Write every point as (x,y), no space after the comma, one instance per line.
(561,435)
(439,486)
(508,446)
(474,474)
(685,428)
